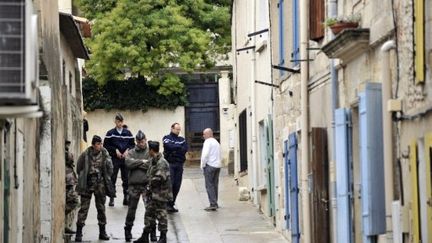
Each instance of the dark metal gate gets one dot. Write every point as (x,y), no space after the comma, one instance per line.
(202,111)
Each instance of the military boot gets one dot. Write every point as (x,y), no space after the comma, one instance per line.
(126,200)
(111,202)
(78,235)
(153,234)
(102,233)
(162,238)
(144,237)
(128,233)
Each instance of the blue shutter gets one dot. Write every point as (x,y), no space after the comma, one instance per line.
(343,195)
(296,33)
(372,161)
(294,190)
(287,184)
(281,36)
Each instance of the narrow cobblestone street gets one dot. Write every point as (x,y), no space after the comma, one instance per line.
(235,221)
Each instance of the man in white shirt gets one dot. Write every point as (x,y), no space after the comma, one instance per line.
(211,164)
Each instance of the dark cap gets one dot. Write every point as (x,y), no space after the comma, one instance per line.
(140,135)
(96,139)
(67,142)
(119,117)
(153,145)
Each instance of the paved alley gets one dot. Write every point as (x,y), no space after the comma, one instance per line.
(235,221)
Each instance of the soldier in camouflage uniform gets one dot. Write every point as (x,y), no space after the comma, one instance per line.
(159,194)
(137,163)
(94,168)
(72,200)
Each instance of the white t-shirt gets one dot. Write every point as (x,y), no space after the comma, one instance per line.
(211,153)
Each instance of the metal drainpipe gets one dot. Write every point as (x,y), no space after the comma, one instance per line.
(253,108)
(332,12)
(387,134)
(304,75)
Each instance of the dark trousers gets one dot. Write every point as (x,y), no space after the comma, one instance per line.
(135,192)
(176,173)
(211,177)
(119,164)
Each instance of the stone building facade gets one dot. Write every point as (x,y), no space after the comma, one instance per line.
(362,168)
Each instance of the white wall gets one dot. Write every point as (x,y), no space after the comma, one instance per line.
(65,6)
(155,123)
(226,111)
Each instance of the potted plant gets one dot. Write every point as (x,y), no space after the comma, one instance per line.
(342,22)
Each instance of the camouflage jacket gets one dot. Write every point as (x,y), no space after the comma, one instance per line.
(159,180)
(71,177)
(83,168)
(137,162)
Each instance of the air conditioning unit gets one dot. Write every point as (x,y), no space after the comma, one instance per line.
(18,57)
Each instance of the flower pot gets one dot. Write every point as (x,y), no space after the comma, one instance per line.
(338,27)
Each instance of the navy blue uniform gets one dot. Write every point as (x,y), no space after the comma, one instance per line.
(175,148)
(114,140)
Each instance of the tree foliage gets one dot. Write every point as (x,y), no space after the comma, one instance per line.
(131,94)
(149,37)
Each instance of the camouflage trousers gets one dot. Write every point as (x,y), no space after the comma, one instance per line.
(98,191)
(72,200)
(156,210)
(135,192)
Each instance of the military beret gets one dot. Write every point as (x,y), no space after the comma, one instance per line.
(153,145)
(96,139)
(140,135)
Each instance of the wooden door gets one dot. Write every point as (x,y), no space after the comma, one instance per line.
(320,194)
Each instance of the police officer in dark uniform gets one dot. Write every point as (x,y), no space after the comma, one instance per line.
(175,148)
(118,141)
(94,168)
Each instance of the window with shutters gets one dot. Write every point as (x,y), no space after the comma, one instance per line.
(419,40)
(343,181)
(371,160)
(295,51)
(289,34)
(316,19)
(281,35)
(291,176)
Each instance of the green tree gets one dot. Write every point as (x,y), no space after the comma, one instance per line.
(149,37)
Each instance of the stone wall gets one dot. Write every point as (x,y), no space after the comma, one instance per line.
(50,53)
(155,123)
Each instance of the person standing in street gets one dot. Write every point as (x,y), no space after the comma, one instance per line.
(211,165)
(137,163)
(118,141)
(72,200)
(159,193)
(94,168)
(175,148)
